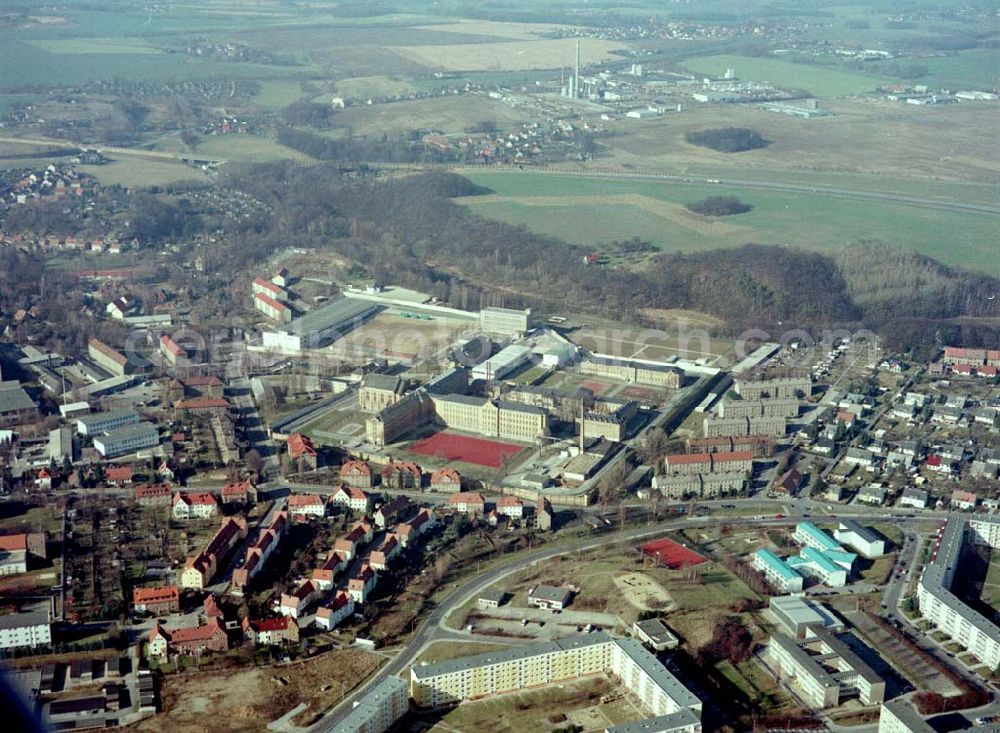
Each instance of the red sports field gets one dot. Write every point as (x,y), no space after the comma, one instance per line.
(672,554)
(597,386)
(467,450)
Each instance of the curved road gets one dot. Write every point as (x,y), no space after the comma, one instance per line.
(430,627)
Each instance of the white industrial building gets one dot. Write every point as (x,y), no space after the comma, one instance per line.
(128,439)
(867,543)
(503,363)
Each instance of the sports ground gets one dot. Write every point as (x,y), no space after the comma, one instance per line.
(672,554)
(478,451)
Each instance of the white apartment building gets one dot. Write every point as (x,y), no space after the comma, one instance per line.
(546,663)
(965,625)
(28,628)
(898,716)
(377,711)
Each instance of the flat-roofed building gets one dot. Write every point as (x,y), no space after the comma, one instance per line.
(759,408)
(899,716)
(550,597)
(655,634)
(822,566)
(102,422)
(736,427)
(823,670)
(378,710)
(945,610)
(794,614)
(506,361)
(505,321)
(867,543)
(778,388)
(127,439)
(549,662)
(28,628)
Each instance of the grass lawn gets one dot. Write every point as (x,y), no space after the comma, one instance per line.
(544,203)
(975,68)
(991,585)
(820,81)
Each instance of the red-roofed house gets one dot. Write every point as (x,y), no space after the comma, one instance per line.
(201,505)
(446,479)
(391,512)
(331,615)
(161,599)
(788,483)
(260,285)
(302,450)
(239,492)
(211,607)
(198,405)
(963,369)
(257,555)
(964,500)
(173,353)
(510,506)
(357,500)
(468,503)
(988,370)
(196,640)
(271,631)
(118,475)
(357,474)
(362,584)
(201,568)
(31,543)
(294,603)
(272,308)
(402,475)
(383,555)
(304,506)
(408,532)
(153,495)
(688,463)
(325,575)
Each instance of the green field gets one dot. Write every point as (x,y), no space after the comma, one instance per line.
(813,221)
(821,82)
(976,69)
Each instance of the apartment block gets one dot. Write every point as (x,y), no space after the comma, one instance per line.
(547,663)
(759,408)
(378,710)
(978,634)
(778,388)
